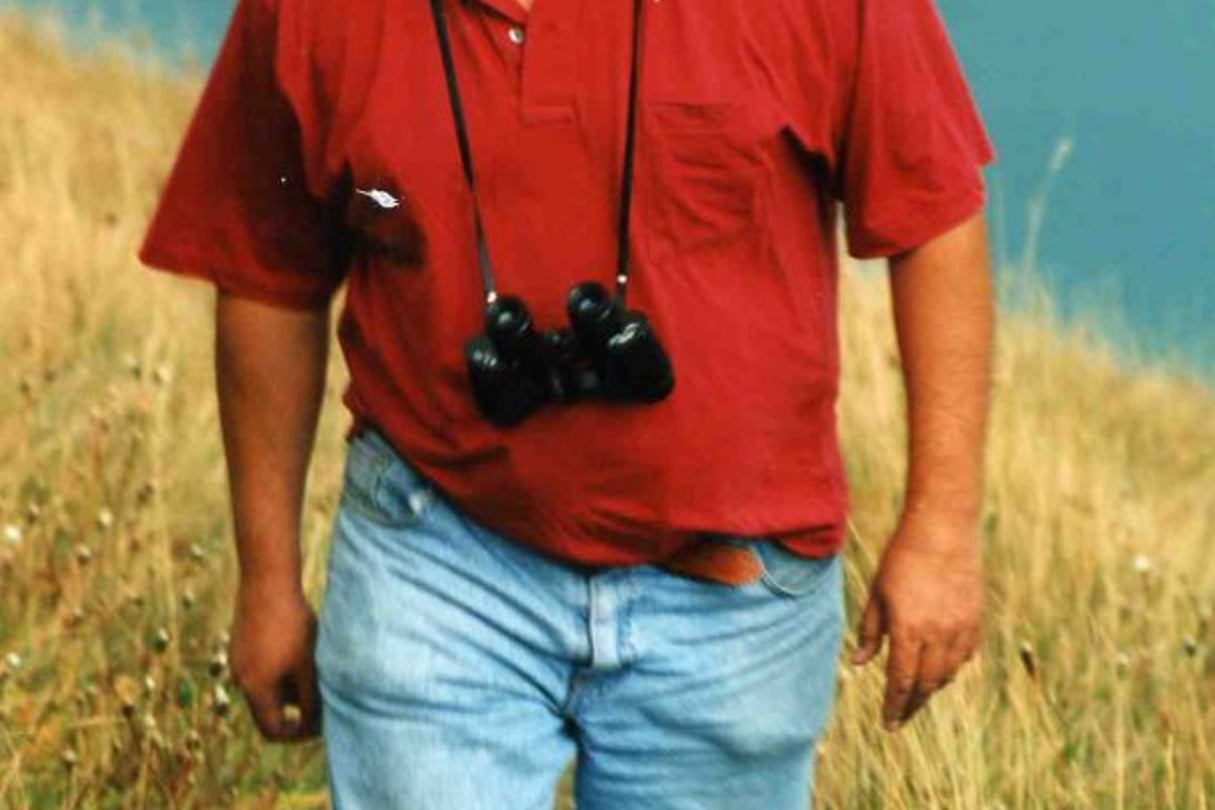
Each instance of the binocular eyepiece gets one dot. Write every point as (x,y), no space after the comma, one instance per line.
(608,352)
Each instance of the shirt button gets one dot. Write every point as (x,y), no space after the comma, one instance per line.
(516,35)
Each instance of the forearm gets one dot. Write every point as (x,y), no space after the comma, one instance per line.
(944,315)
(270,372)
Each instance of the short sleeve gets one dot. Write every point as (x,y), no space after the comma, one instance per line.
(237,208)
(913,144)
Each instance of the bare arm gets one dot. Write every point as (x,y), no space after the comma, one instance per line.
(942,294)
(927,593)
(270,370)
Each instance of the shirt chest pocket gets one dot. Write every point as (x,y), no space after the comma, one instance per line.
(707,172)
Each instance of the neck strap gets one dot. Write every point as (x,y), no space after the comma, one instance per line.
(626,184)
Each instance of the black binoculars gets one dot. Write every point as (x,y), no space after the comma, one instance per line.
(608,352)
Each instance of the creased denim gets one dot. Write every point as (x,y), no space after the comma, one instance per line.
(460,670)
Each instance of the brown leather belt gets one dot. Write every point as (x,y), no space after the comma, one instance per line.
(716,560)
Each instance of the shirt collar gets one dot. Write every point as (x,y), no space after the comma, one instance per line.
(507,8)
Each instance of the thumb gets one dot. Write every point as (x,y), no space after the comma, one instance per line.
(300,692)
(869,641)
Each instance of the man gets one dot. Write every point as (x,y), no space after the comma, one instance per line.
(653,587)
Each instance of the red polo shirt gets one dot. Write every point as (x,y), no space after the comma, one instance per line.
(756,119)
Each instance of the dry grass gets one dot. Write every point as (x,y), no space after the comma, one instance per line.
(1094,688)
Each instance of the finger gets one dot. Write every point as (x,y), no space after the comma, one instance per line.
(298,696)
(869,642)
(310,698)
(901,669)
(264,708)
(931,675)
(916,701)
(935,661)
(306,697)
(290,712)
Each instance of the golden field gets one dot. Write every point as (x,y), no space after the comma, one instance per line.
(1096,683)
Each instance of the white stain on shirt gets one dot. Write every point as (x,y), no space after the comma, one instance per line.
(380,197)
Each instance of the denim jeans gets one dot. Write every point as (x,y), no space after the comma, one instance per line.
(461,670)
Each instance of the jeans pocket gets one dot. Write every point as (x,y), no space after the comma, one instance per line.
(378,485)
(792,575)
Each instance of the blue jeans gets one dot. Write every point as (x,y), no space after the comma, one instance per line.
(460,670)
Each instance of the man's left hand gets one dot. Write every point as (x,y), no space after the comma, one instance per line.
(927,596)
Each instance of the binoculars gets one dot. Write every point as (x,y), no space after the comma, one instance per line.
(608,353)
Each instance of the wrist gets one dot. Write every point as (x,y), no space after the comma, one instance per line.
(945,528)
(262,584)
(959,514)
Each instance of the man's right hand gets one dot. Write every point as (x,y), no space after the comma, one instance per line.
(270,374)
(270,651)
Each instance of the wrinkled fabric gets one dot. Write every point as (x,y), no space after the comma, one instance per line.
(460,670)
(323,152)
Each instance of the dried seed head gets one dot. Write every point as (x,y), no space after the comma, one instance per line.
(1191,646)
(13,661)
(218,664)
(149,684)
(1122,661)
(161,639)
(145,493)
(1028,660)
(12,534)
(194,740)
(32,512)
(69,758)
(105,519)
(197,552)
(163,374)
(84,554)
(187,598)
(1063,152)
(220,702)
(293,715)
(132,365)
(1142,563)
